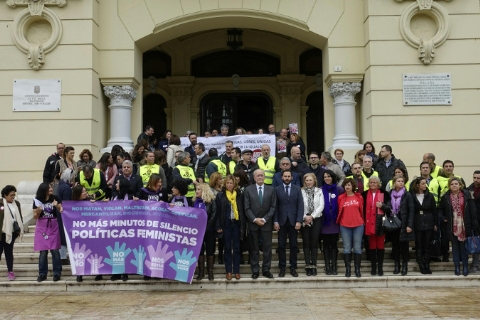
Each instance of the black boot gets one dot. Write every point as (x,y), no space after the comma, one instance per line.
(347,257)
(326,255)
(457,269)
(404,267)
(210,261)
(420,260)
(396,270)
(358,260)
(373,261)
(426,263)
(201,268)
(334,257)
(380,256)
(308,270)
(465,269)
(314,270)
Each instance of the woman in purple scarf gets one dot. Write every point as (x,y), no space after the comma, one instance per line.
(403,207)
(330,228)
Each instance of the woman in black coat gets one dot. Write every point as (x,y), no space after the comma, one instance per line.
(425,218)
(457,209)
(402,206)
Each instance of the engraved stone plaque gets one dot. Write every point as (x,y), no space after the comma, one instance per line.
(37,95)
(429,89)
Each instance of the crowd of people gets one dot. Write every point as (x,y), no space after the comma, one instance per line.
(317,195)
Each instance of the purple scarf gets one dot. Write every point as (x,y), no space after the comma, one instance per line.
(331,203)
(199,203)
(396,199)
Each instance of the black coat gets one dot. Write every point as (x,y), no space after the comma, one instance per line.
(224,208)
(429,218)
(470,216)
(407,217)
(212,214)
(386,173)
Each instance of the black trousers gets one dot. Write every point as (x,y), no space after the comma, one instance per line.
(208,243)
(254,236)
(399,248)
(8,249)
(310,236)
(287,230)
(444,241)
(422,244)
(330,242)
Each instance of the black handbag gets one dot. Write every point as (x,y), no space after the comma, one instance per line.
(379,230)
(16,227)
(472,244)
(392,223)
(435,245)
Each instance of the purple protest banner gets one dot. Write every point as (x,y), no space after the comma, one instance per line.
(133,237)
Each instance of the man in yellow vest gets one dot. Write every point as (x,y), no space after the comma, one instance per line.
(368,171)
(94,182)
(236,157)
(214,165)
(149,168)
(183,171)
(360,179)
(268,164)
(434,169)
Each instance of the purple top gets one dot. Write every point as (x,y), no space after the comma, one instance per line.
(333,228)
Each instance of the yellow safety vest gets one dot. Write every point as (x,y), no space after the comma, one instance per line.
(221,168)
(268,168)
(439,186)
(366,180)
(187,172)
(231,166)
(95,187)
(146,171)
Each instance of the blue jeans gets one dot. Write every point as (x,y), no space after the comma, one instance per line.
(43,262)
(231,240)
(352,234)
(459,252)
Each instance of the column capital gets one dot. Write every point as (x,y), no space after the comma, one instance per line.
(119,94)
(346,90)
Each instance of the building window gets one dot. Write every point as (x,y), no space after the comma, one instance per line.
(157,64)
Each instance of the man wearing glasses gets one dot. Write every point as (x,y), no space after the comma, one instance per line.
(315,168)
(49,170)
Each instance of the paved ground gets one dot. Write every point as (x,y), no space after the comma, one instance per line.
(451,303)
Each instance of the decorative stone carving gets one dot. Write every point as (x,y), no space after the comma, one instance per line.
(36,30)
(120,94)
(36,6)
(346,90)
(152,83)
(235,81)
(319,81)
(180,92)
(426,44)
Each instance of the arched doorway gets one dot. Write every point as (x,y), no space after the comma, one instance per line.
(250,111)
(315,122)
(154,113)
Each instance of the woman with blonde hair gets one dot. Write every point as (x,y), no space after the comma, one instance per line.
(205,200)
(313,203)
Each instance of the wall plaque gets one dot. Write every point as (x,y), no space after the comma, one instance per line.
(37,95)
(429,89)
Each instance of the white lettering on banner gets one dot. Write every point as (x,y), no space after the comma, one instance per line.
(253,142)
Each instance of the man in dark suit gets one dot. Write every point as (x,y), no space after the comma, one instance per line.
(260,202)
(135,181)
(287,221)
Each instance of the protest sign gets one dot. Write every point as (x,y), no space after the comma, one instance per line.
(133,237)
(253,142)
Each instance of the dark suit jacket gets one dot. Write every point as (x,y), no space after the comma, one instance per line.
(277,179)
(135,185)
(253,208)
(291,206)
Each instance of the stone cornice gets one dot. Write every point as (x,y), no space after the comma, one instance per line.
(121,82)
(332,78)
(120,94)
(36,7)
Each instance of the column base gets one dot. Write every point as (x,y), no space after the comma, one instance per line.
(126,143)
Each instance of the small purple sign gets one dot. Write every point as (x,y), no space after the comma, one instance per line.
(133,237)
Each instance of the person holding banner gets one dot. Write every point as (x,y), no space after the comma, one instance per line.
(135,181)
(154,190)
(230,223)
(94,182)
(204,199)
(179,189)
(46,207)
(216,183)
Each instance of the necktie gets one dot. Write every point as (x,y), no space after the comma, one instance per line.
(286,190)
(260,194)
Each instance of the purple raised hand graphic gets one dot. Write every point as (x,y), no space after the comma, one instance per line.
(158,257)
(80,254)
(95,263)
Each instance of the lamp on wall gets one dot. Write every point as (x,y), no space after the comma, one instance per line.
(234,38)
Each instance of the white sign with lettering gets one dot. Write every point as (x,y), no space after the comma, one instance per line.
(429,89)
(37,95)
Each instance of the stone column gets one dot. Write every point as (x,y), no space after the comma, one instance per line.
(120,116)
(345,119)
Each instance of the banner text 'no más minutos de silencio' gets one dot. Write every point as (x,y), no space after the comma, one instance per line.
(133,237)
